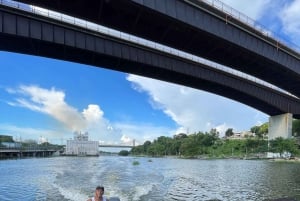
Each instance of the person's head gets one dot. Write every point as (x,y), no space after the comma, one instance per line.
(99,190)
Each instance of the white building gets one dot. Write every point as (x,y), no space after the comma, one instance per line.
(241,135)
(81,146)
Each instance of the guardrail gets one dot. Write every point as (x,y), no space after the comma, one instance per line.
(115,145)
(26,149)
(137,40)
(231,12)
(30,148)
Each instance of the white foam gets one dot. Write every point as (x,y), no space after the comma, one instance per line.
(142,190)
(71,194)
(135,194)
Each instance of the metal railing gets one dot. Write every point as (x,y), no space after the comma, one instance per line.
(137,40)
(231,12)
(30,148)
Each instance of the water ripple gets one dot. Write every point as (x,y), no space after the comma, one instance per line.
(74,179)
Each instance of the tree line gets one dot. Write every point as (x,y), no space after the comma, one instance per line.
(209,144)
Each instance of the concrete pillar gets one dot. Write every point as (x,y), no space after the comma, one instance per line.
(280,126)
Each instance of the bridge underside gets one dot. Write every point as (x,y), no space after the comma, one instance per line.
(182,26)
(32,35)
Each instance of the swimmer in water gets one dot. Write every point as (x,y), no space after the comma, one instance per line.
(98,195)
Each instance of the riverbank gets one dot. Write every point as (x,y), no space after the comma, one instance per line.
(295,159)
(208,157)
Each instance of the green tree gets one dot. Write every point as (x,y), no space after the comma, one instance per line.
(260,131)
(146,145)
(159,149)
(180,136)
(189,147)
(151,151)
(123,153)
(255,129)
(263,130)
(6,138)
(214,132)
(175,147)
(137,150)
(229,132)
(208,139)
(296,127)
(281,145)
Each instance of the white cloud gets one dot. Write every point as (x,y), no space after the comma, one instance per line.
(253,9)
(141,132)
(91,119)
(194,110)
(93,113)
(126,140)
(280,19)
(50,102)
(191,109)
(290,18)
(42,139)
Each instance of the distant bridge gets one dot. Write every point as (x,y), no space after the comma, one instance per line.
(9,152)
(116,146)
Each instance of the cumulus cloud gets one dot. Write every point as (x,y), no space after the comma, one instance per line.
(194,110)
(51,102)
(290,18)
(93,113)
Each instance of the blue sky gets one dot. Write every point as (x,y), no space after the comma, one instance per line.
(46,98)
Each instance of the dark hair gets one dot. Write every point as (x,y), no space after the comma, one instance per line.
(100,188)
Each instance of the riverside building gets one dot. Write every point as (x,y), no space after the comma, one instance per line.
(81,146)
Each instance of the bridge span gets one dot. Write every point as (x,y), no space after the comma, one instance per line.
(25,152)
(116,146)
(197,27)
(44,33)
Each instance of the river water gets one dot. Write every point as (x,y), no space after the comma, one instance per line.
(75,178)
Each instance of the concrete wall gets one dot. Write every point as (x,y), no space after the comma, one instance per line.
(280,126)
(77,147)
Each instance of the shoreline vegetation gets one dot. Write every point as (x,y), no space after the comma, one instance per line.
(200,145)
(283,160)
(209,145)
(292,159)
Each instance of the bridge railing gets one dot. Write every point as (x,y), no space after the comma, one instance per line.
(231,12)
(29,148)
(140,41)
(116,145)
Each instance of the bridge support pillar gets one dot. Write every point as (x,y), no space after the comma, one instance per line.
(280,126)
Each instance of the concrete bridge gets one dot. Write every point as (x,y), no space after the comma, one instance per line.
(206,28)
(229,42)
(25,152)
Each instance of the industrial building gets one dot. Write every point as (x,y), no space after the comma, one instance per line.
(81,146)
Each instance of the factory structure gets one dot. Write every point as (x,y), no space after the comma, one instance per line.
(81,146)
